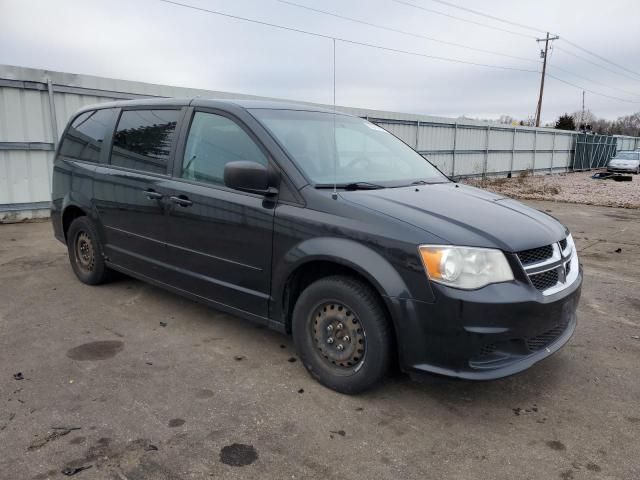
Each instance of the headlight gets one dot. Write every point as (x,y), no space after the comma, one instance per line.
(465,267)
(570,248)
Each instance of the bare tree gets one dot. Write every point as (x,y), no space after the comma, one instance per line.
(587,119)
(507,120)
(629,125)
(602,126)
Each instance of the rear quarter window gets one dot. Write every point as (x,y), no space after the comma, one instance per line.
(87,134)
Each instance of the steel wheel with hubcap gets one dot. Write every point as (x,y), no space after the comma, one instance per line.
(85,252)
(342,334)
(85,255)
(339,336)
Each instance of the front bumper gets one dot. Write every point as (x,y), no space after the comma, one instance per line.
(622,169)
(485,334)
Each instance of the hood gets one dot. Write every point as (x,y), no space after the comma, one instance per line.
(464,215)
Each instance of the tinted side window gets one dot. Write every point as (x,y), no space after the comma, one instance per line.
(86,135)
(143,139)
(213,142)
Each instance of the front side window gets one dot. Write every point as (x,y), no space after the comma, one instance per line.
(339,148)
(86,135)
(213,142)
(143,139)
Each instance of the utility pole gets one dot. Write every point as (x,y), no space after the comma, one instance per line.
(582,114)
(544,70)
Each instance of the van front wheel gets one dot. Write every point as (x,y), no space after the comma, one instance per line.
(342,334)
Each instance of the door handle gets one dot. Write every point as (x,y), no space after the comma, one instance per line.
(152,194)
(182,201)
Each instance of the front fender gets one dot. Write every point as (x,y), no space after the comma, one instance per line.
(359,257)
(345,252)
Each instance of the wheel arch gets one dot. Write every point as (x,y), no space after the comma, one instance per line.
(69,214)
(322,257)
(73,205)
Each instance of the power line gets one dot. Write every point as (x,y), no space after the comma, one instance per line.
(464,19)
(600,57)
(476,12)
(592,91)
(596,64)
(380,47)
(404,32)
(345,40)
(417,35)
(528,27)
(555,67)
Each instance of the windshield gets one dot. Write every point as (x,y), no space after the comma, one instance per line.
(627,156)
(358,152)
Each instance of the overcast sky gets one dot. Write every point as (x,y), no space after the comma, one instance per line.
(151,41)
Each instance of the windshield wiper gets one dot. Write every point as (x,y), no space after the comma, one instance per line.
(352,186)
(362,186)
(425,182)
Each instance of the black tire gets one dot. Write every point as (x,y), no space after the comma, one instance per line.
(85,252)
(365,357)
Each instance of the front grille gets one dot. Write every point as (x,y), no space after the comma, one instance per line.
(554,259)
(563,244)
(535,255)
(487,350)
(543,340)
(544,280)
(494,353)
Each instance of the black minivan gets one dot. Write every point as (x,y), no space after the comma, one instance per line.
(318,224)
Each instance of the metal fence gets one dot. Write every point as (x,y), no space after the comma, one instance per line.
(624,142)
(35,106)
(593,151)
(466,149)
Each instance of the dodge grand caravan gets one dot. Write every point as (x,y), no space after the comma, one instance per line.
(318,224)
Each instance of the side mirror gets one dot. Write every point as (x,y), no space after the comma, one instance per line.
(248,177)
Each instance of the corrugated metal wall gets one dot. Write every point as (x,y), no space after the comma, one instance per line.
(35,106)
(28,135)
(475,149)
(627,143)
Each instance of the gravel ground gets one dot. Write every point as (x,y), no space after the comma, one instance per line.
(141,384)
(575,187)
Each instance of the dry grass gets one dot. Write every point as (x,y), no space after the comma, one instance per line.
(575,187)
(522,176)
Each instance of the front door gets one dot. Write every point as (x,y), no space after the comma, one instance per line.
(220,239)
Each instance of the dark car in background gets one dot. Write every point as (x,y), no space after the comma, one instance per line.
(317,224)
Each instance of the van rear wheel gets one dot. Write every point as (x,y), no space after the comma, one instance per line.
(342,334)
(85,252)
